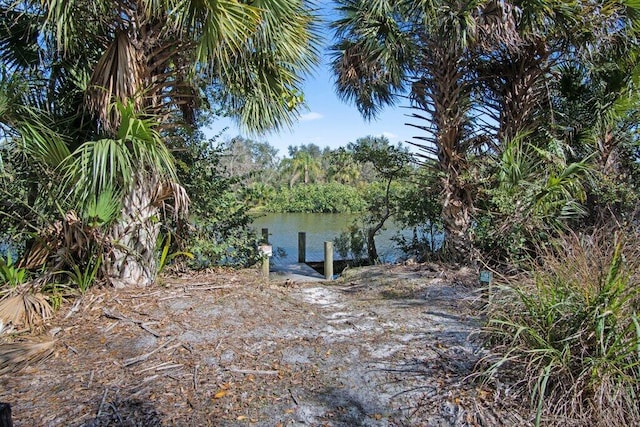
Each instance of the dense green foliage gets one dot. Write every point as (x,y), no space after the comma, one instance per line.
(330,197)
(527,118)
(369,177)
(217,231)
(527,113)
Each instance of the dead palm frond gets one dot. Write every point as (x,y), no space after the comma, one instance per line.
(24,308)
(16,355)
(172,190)
(117,76)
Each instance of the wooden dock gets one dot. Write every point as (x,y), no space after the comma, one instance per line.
(298,272)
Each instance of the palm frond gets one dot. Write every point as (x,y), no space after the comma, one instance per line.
(372,60)
(262,78)
(98,165)
(118,76)
(16,355)
(218,28)
(61,20)
(172,190)
(24,308)
(103,208)
(19,32)
(111,166)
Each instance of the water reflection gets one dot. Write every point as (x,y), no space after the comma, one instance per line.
(284,228)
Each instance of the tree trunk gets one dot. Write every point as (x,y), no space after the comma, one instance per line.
(456,218)
(372,251)
(132,259)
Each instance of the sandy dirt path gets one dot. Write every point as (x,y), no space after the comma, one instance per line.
(382,346)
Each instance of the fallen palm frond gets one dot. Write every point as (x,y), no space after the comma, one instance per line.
(24,307)
(16,355)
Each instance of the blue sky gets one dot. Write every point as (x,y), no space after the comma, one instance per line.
(329,122)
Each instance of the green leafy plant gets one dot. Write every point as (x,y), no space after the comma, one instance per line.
(103,208)
(56,293)
(166,257)
(571,332)
(84,275)
(218,231)
(10,274)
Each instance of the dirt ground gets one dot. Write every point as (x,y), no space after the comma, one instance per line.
(381,346)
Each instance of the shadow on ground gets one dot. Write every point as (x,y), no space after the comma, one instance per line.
(126,413)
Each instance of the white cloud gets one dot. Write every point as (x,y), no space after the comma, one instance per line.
(389,135)
(311,116)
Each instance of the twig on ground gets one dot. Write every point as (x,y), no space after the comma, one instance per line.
(110,327)
(251,371)
(73,309)
(117,316)
(206,288)
(143,325)
(174,297)
(151,368)
(195,377)
(199,284)
(162,367)
(293,397)
(148,329)
(172,366)
(137,307)
(145,356)
(94,298)
(152,294)
(173,347)
(104,398)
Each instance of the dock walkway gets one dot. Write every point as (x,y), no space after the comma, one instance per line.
(299,272)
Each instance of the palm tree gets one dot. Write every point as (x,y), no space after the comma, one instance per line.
(478,74)
(302,164)
(342,167)
(387,46)
(142,68)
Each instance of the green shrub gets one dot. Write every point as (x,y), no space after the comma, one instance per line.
(218,232)
(318,198)
(571,332)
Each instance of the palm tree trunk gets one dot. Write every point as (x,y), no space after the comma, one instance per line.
(456,218)
(450,95)
(132,260)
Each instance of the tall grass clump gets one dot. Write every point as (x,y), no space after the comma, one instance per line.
(570,334)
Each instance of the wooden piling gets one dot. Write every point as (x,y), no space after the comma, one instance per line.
(265,235)
(302,246)
(267,251)
(328,260)
(265,268)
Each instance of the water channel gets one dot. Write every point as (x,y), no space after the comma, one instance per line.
(284,228)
